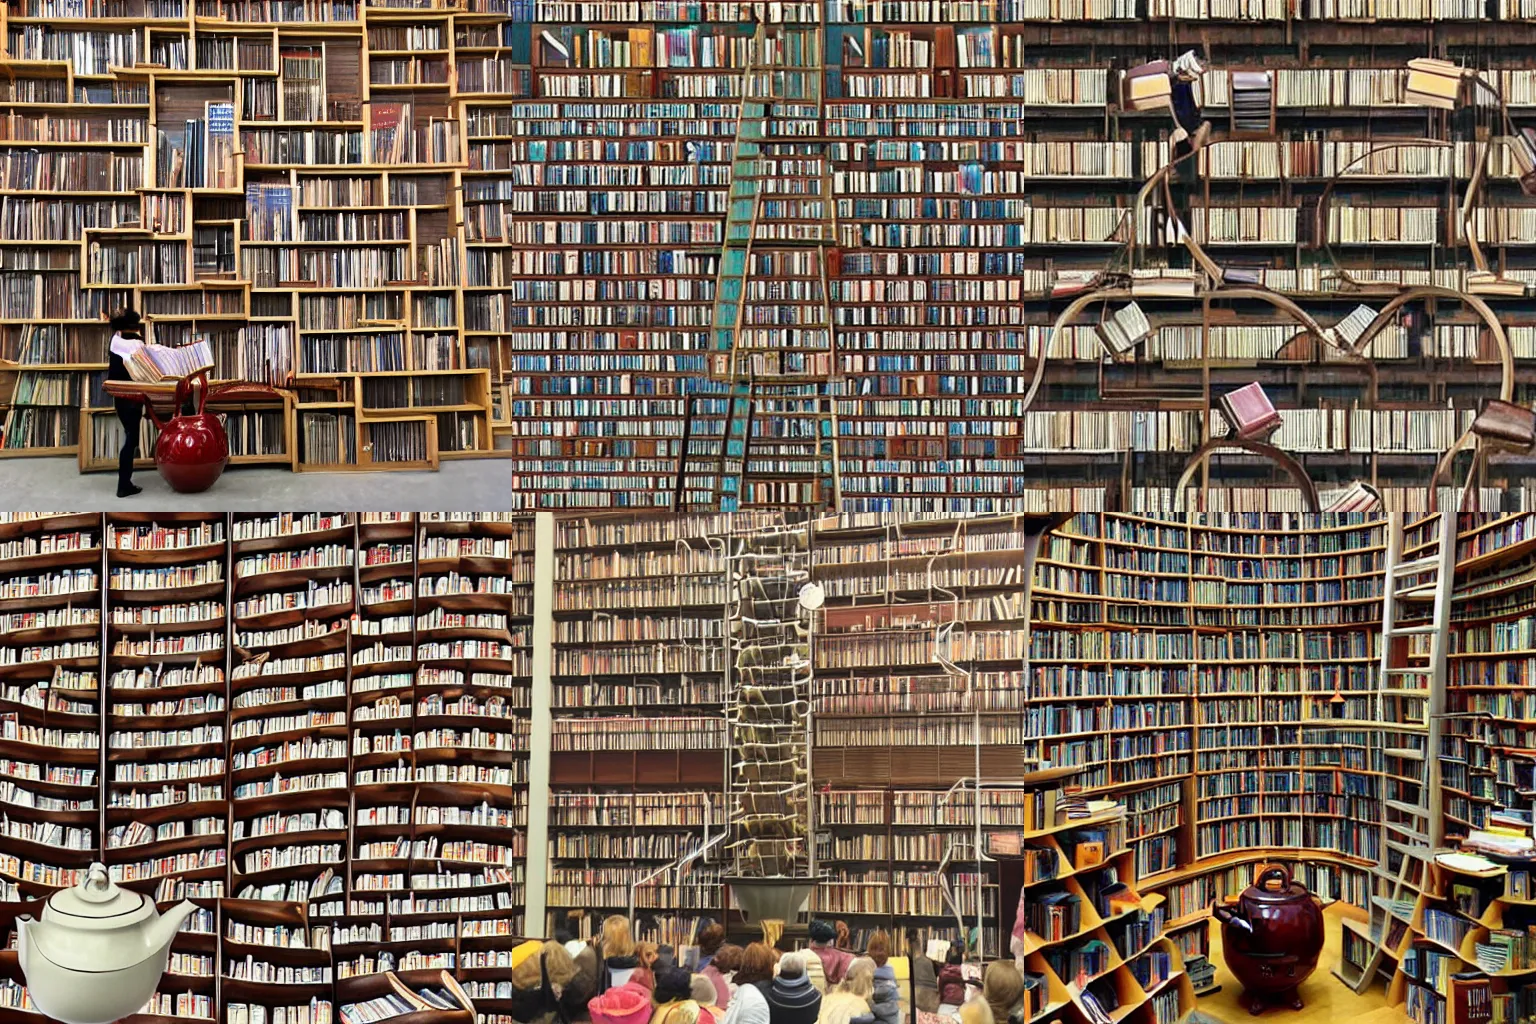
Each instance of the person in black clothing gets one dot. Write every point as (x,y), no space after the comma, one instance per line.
(791,997)
(127,335)
(1187,70)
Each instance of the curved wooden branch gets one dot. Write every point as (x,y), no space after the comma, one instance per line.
(1160,177)
(1481,308)
(1322,201)
(1083,301)
(1282,459)
(1443,467)
(1474,186)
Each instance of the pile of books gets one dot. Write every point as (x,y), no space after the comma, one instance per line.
(152,364)
(1202,973)
(1253,101)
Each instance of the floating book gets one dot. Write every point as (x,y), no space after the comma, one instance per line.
(1125,329)
(1506,425)
(1348,330)
(1147,87)
(1432,83)
(151,364)
(1249,411)
(1253,101)
(1357,497)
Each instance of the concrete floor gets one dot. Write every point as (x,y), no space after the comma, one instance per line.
(57,485)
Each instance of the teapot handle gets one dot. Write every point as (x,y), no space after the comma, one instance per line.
(1279,871)
(185,388)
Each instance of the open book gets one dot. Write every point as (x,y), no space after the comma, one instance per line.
(152,364)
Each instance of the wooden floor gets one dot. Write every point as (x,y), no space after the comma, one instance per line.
(1327,1000)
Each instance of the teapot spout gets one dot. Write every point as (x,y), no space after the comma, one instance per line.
(24,941)
(160,932)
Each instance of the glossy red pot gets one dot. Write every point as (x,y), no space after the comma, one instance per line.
(1271,938)
(193,449)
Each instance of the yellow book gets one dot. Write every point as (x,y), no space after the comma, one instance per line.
(1150,92)
(1433,83)
(640,47)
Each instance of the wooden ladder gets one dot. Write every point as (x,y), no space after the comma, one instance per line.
(768,423)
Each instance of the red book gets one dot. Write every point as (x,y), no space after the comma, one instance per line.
(1249,411)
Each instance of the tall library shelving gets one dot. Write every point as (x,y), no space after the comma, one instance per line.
(316,729)
(1217,680)
(499,225)
(320,728)
(1441,921)
(51,661)
(943,116)
(638,745)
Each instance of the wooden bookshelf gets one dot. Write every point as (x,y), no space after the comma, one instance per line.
(425,221)
(351,696)
(51,602)
(639,738)
(324,847)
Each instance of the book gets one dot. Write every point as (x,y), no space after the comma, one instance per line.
(1357,497)
(152,364)
(1248,411)
(1433,83)
(1125,329)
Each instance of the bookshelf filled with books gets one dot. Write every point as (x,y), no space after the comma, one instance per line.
(345,788)
(473,614)
(167,739)
(457,230)
(280,185)
(51,663)
(316,728)
(930,100)
(638,758)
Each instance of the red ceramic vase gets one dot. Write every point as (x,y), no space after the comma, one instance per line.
(1271,938)
(192,450)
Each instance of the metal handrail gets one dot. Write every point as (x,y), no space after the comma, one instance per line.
(682,859)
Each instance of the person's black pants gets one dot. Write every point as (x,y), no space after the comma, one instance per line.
(130,414)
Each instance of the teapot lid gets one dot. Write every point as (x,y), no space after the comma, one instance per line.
(97,903)
(1288,891)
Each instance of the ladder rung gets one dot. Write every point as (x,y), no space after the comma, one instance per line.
(1410,851)
(1423,630)
(1417,811)
(1411,834)
(1417,565)
(1412,753)
(1409,671)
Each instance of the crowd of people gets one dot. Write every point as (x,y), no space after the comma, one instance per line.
(613,979)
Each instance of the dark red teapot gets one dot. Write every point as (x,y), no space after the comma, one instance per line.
(192,450)
(1271,938)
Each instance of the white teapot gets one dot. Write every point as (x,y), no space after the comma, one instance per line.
(98,951)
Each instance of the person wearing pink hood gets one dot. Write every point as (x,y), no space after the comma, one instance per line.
(834,961)
(629,1003)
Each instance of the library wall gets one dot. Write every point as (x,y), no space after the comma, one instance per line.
(497,227)
(317,726)
(313,726)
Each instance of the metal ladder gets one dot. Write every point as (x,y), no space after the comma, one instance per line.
(1416,603)
(769,704)
(771,434)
